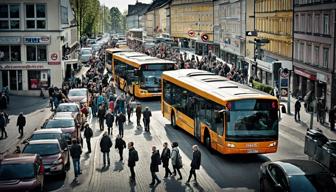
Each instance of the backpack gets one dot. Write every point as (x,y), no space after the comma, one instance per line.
(90,132)
(136,157)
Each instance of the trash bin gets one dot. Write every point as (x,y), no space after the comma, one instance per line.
(326,155)
(313,139)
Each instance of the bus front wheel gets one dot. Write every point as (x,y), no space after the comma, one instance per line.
(207,141)
(173,121)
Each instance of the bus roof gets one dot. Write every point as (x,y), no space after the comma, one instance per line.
(214,87)
(117,50)
(138,59)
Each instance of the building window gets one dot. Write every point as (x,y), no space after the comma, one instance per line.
(64,15)
(12,80)
(302,22)
(326,24)
(296,50)
(316,55)
(34,78)
(325,57)
(308,53)
(296,22)
(9,16)
(301,51)
(309,23)
(10,53)
(36,16)
(36,53)
(317,23)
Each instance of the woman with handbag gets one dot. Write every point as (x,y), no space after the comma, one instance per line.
(176,160)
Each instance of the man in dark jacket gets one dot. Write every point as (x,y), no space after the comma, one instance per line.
(75,152)
(21,122)
(146,116)
(120,145)
(88,133)
(121,119)
(332,116)
(165,156)
(105,145)
(138,112)
(132,159)
(195,163)
(3,123)
(154,166)
(3,101)
(297,110)
(109,118)
(101,116)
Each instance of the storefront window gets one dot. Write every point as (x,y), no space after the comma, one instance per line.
(36,53)
(19,75)
(38,79)
(269,78)
(10,53)
(12,80)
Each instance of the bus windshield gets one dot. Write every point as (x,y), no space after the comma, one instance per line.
(151,74)
(252,118)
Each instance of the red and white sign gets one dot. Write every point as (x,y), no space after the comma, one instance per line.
(205,37)
(191,33)
(54,59)
(304,74)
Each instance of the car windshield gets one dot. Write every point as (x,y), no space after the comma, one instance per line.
(67,108)
(46,136)
(312,183)
(252,119)
(74,93)
(86,51)
(10,171)
(60,123)
(42,149)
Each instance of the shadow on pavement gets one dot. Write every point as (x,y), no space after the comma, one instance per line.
(25,104)
(103,169)
(52,183)
(118,166)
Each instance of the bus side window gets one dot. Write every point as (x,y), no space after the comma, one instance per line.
(219,121)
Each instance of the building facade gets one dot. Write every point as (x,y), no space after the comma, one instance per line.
(250,26)
(34,36)
(156,18)
(135,15)
(314,49)
(190,20)
(273,21)
(230,30)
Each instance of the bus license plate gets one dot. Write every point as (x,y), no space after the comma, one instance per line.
(252,151)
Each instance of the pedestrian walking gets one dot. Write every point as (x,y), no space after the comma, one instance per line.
(297,110)
(3,123)
(132,159)
(3,101)
(154,165)
(195,163)
(120,144)
(176,160)
(21,122)
(88,133)
(146,116)
(138,112)
(129,110)
(105,145)
(51,91)
(109,119)
(165,156)
(121,119)
(332,117)
(75,152)
(101,117)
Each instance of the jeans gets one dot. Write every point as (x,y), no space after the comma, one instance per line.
(167,171)
(121,130)
(121,150)
(138,120)
(192,172)
(101,123)
(132,172)
(297,115)
(21,131)
(106,154)
(178,171)
(154,177)
(76,166)
(88,143)
(146,122)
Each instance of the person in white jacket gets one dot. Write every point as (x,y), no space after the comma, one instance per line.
(176,160)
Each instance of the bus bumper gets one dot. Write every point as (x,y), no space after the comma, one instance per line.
(250,148)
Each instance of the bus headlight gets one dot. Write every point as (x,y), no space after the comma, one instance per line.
(231,145)
(273,144)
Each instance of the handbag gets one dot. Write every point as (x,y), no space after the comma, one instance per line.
(178,161)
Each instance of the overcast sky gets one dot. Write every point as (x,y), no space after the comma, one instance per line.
(121,4)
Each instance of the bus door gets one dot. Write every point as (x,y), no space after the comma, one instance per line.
(197,118)
(219,122)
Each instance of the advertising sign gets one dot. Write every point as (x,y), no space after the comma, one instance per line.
(54,58)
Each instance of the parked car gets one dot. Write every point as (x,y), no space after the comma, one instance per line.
(78,95)
(89,42)
(55,160)
(294,176)
(85,54)
(21,172)
(69,109)
(51,134)
(66,124)
(96,47)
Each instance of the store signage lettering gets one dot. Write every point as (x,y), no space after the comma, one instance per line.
(8,40)
(37,40)
(14,67)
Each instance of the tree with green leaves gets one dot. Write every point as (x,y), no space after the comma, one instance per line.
(116,20)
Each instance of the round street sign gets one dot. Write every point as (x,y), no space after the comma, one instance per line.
(284,92)
(191,33)
(54,56)
(204,37)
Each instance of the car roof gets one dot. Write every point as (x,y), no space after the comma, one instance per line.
(74,89)
(42,131)
(63,116)
(44,141)
(301,167)
(18,158)
(67,104)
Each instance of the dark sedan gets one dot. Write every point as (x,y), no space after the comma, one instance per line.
(295,176)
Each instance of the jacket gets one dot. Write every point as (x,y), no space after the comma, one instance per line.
(75,151)
(132,157)
(88,133)
(2,122)
(109,119)
(147,114)
(120,144)
(101,113)
(21,121)
(196,160)
(165,156)
(155,161)
(138,111)
(105,144)
(121,119)
(175,156)
(297,105)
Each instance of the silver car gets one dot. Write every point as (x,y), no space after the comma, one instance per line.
(85,54)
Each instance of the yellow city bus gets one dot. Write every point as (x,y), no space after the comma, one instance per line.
(226,116)
(109,56)
(139,74)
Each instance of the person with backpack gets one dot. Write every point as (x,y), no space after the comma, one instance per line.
(88,133)
(120,145)
(165,156)
(146,117)
(154,165)
(21,122)
(105,145)
(132,159)
(109,119)
(195,163)
(176,160)
(121,119)
(3,123)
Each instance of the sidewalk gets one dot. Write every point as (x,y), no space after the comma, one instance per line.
(305,120)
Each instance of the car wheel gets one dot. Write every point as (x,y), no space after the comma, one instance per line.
(173,121)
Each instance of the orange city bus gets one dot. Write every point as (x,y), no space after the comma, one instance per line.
(109,55)
(226,116)
(139,74)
